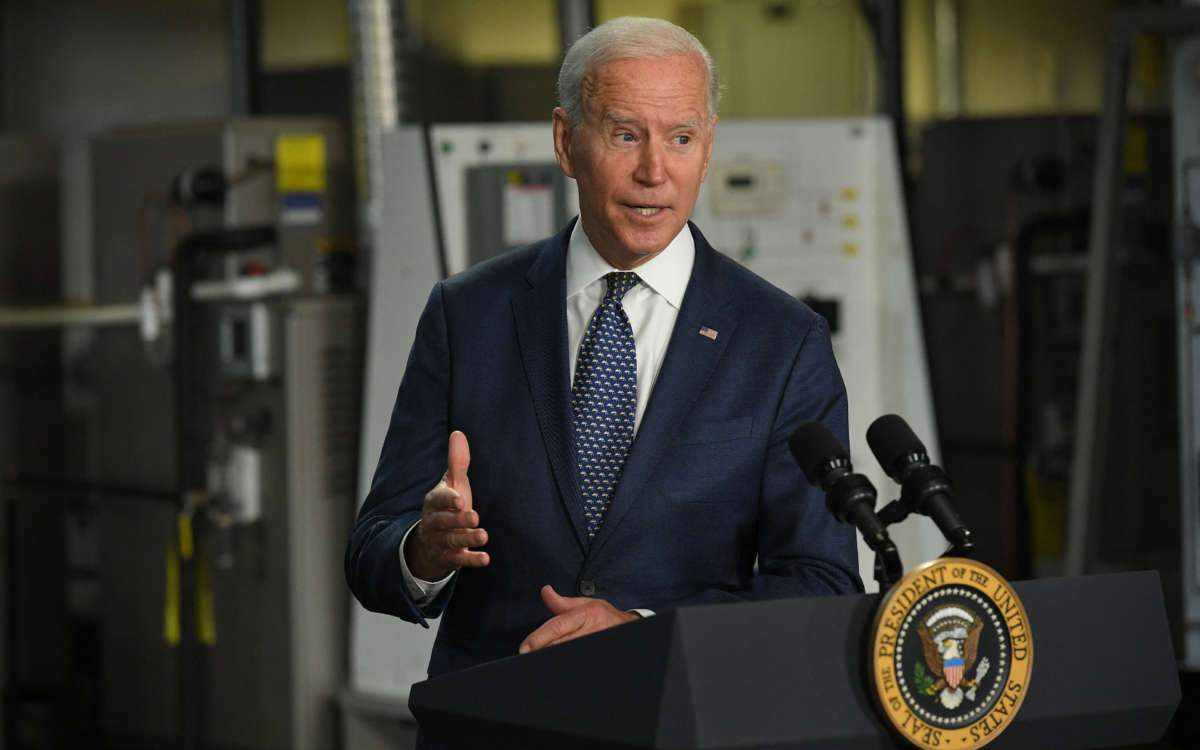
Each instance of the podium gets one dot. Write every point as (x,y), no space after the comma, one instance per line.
(792,673)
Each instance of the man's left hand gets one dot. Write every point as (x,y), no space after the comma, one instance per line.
(574,616)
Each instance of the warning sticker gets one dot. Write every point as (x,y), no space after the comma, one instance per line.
(300,163)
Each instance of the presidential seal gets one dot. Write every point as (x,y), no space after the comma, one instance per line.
(950,654)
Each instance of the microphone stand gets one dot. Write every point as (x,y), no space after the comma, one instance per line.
(896,511)
(888,569)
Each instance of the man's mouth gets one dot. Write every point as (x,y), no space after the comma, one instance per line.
(647,210)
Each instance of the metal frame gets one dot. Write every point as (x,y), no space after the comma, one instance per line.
(1185,91)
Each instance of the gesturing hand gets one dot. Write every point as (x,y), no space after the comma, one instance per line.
(574,616)
(449,525)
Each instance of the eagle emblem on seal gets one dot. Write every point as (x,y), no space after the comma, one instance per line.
(950,641)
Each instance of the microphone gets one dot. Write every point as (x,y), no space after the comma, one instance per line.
(850,497)
(924,487)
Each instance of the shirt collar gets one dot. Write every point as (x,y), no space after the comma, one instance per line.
(666,273)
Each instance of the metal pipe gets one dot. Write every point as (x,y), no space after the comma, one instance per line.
(282,281)
(243,17)
(21,483)
(891,75)
(1095,358)
(947,28)
(43,316)
(575,18)
(377,100)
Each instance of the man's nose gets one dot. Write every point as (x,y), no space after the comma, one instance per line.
(651,167)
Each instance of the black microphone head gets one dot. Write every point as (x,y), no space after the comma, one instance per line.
(894,444)
(814,446)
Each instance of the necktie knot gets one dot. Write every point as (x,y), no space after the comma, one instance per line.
(620,282)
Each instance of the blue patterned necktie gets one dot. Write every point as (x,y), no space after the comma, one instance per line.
(604,399)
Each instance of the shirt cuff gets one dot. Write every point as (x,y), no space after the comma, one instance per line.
(644,612)
(422,592)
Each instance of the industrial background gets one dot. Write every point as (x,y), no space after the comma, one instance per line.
(204,206)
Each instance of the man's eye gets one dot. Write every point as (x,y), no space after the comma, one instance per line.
(683,139)
(626,137)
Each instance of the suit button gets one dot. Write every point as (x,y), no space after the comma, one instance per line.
(587,588)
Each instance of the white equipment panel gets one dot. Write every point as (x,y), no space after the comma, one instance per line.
(814,206)
(457,148)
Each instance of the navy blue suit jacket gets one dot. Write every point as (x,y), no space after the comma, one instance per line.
(708,488)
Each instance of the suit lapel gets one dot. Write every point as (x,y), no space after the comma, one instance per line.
(540,316)
(689,361)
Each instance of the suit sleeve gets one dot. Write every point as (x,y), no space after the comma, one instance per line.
(801,546)
(802,550)
(412,461)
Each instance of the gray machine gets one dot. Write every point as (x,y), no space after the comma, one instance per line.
(278,347)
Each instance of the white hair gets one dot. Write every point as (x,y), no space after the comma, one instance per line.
(627,38)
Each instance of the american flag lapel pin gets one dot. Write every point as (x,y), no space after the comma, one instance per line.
(708,333)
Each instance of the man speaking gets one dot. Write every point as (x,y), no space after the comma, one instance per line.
(594,428)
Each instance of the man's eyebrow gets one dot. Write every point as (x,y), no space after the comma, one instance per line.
(617,119)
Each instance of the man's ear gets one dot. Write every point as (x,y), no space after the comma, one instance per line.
(564,131)
(712,136)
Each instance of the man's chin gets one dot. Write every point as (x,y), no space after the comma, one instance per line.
(629,246)
(647,244)
(634,256)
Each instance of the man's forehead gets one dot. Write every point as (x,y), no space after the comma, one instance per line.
(695,63)
(602,92)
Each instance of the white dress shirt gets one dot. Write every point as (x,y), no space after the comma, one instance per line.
(651,307)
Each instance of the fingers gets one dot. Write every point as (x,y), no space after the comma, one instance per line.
(457,460)
(459,538)
(559,604)
(438,550)
(449,529)
(583,615)
(557,629)
(449,525)
(445,519)
(465,558)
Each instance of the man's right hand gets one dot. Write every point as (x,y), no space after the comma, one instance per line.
(449,525)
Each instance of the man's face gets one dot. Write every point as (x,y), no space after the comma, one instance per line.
(640,154)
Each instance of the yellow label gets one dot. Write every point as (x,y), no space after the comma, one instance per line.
(206,626)
(171,607)
(1137,159)
(184,522)
(300,163)
(1148,61)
